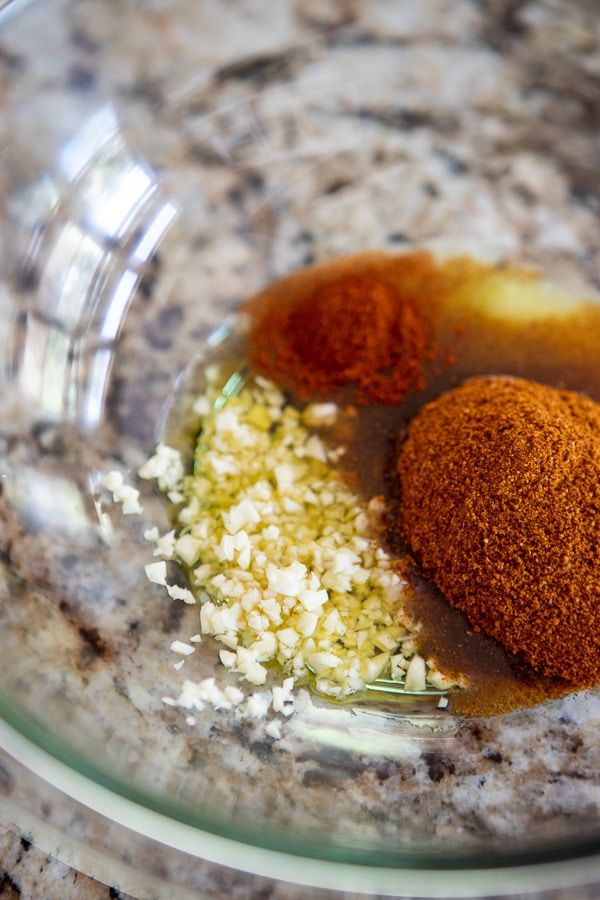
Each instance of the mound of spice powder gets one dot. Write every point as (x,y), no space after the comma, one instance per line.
(360,323)
(500,482)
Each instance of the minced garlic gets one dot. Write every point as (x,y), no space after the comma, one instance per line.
(280,554)
(122,493)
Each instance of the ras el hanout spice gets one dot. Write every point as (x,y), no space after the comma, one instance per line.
(501,507)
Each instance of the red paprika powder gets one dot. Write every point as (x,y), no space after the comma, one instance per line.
(365,323)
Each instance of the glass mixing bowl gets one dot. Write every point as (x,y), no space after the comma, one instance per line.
(160,163)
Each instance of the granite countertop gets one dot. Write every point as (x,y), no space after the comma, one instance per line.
(285,133)
(27,873)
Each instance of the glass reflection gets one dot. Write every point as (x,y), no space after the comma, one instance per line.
(44,365)
(91,403)
(79,153)
(112,192)
(91,227)
(66,283)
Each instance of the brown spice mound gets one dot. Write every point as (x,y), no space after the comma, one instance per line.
(360,324)
(500,483)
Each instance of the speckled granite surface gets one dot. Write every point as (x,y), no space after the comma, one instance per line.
(284,133)
(27,873)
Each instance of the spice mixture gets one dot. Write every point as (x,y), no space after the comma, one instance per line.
(495,491)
